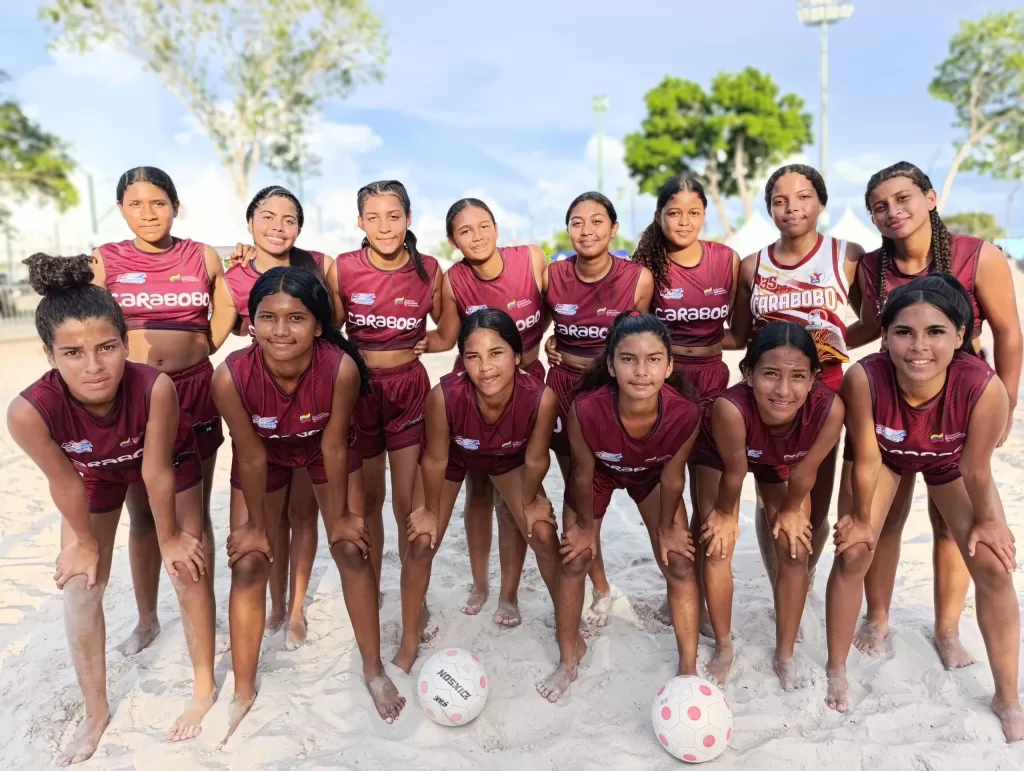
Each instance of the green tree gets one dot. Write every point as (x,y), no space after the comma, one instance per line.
(979,224)
(983,78)
(729,137)
(252,73)
(444,250)
(32,161)
(559,242)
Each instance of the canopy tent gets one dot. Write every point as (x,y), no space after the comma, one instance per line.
(755,234)
(851,228)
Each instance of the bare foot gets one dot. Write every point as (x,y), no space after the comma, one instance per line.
(792,675)
(296,634)
(718,667)
(275,619)
(597,614)
(427,631)
(1012,718)
(870,638)
(386,698)
(837,686)
(140,638)
(952,652)
(86,740)
(236,712)
(557,683)
(189,723)
(475,601)
(405,657)
(507,613)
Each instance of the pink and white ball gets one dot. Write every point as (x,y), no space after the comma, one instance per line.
(692,719)
(452,687)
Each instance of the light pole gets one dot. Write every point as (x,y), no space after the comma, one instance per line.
(600,105)
(821,13)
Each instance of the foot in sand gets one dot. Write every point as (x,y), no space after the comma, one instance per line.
(1012,718)
(837,686)
(386,698)
(792,675)
(236,712)
(86,740)
(275,619)
(507,613)
(557,683)
(952,652)
(189,723)
(597,614)
(476,599)
(296,634)
(140,638)
(870,638)
(406,655)
(717,669)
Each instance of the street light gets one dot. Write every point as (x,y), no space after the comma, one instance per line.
(600,105)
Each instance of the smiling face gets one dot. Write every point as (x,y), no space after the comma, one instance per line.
(899,208)
(921,342)
(385,223)
(148,211)
(682,218)
(490,362)
(781,381)
(640,365)
(285,329)
(591,229)
(275,226)
(90,356)
(475,234)
(795,205)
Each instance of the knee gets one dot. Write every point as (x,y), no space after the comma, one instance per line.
(679,568)
(250,571)
(142,523)
(545,537)
(78,596)
(347,555)
(419,550)
(987,570)
(855,560)
(785,555)
(578,566)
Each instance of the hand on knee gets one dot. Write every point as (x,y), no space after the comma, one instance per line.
(347,554)
(419,550)
(251,571)
(545,537)
(578,566)
(855,560)
(788,556)
(77,592)
(679,568)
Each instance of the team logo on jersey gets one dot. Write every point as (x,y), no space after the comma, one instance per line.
(754,453)
(467,444)
(306,418)
(474,308)
(718,290)
(610,457)
(947,437)
(817,278)
(184,279)
(510,304)
(816,319)
(130,441)
(511,444)
(406,302)
(79,447)
(607,312)
(672,294)
(708,291)
(363,298)
(794,456)
(890,434)
(268,424)
(658,459)
(566,310)
(524,303)
(131,278)
(311,418)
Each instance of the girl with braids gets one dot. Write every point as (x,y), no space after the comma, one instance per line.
(275,220)
(627,432)
(178,309)
(509,278)
(99,426)
(288,402)
(495,419)
(915,242)
(584,295)
(926,403)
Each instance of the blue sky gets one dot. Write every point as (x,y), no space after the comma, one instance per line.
(494,99)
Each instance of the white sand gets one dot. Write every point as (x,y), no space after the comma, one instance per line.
(313,712)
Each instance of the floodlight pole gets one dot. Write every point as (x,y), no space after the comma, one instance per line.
(600,105)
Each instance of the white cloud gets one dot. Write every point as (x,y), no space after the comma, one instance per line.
(857,170)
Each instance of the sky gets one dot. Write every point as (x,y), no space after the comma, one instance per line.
(494,100)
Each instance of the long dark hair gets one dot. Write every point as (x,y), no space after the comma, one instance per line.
(299,258)
(310,291)
(780,334)
(64,283)
(498,322)
(942,241)
(598,198)
(945,293)
(627,324)
(809,173)
(397,189)
(456,208)
(652,248)
(150,174)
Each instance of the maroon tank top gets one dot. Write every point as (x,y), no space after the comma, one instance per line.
(289,424)
(618,455)
(964,254)
(385,310)
(583,313)
(241,279)
(514,291)
(472,436)
(694,303)
(160,290)
(916,439)
(765,448)
(107,448)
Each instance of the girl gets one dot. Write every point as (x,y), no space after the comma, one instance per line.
(510,278)
(495,420)
(642,449)
(97,426)
(288,401)
(383,294)
(175,302)
(584,295)
(275,220)
(915,242)
(780,423)
(927,404)
(804,277)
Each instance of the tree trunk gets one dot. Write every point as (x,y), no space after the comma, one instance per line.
(958,159)
(739,175)
(715,191)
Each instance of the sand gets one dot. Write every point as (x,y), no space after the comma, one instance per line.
(313,712)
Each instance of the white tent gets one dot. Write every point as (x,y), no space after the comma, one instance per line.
(851,228)
(755,234)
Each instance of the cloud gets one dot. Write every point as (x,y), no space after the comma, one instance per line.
(857,169)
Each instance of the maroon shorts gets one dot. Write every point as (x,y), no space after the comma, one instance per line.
(831,375)
(705,454)
(605,485)
(705,378)
(279,476)
(536,369)
(564,382)
(461,463)
(107,496)
(391,416)
(195,401)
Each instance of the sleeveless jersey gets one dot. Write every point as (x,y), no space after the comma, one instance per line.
(289,424)
(813,293)
(694,303)
(514,291)
(619,456)
(471,436)
(385,310)
(931,436)
(109,448)
(242,278)
(584,312)
(160,290)
(965,252)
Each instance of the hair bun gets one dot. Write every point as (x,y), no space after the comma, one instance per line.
(49,275)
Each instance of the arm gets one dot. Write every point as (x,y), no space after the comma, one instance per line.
(334,439)
(860,429)
(730,435)
(673,525)
(538,454)
(866,328)
(580,535)
(444,337)
(993,287)
(426,520)
(332,283)
(99,271)
(740,321)
(224,315)
(729,341)
(435,295)
(540,274)
(644,291)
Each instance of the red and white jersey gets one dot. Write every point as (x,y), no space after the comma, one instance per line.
(813,293)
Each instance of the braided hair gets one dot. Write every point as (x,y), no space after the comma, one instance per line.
(397,189)
(942,241)
(652,249)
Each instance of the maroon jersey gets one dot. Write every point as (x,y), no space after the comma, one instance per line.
(242,278)
(583,312)
(928,438)
(109,448)
(386,309)
(618,455)
(964,254)
(694,302)
(160,290)
(289,424)
(514,291)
